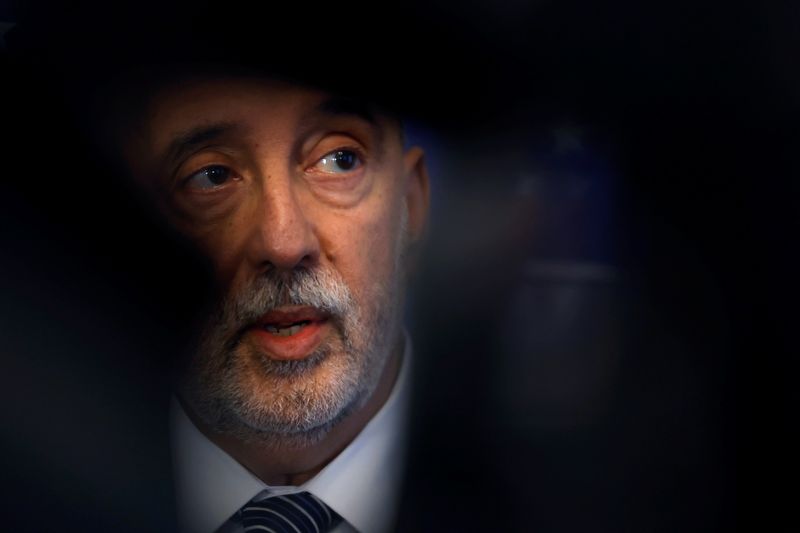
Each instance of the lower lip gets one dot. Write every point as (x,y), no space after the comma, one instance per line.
(290,347)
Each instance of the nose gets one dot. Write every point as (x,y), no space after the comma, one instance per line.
(283,236)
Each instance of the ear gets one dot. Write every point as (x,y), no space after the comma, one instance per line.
(417,192)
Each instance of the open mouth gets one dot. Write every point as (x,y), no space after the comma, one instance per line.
(288,321)
(291,332)
(286,330)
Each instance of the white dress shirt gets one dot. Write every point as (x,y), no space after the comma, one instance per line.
(361,483)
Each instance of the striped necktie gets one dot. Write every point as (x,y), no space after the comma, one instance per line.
(301,512)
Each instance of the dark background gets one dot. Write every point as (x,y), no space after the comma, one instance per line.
(603,314)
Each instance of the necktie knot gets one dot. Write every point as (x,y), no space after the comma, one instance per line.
(301,512)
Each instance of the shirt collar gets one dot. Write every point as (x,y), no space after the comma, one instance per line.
(361,483)
(210,484)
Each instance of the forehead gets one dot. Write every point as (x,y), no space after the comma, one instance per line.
(271,108)
(242,98)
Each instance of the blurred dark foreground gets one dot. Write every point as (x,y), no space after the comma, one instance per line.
(603,314)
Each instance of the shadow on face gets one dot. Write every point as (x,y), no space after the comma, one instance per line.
(304,203)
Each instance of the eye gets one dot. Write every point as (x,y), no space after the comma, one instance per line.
(339,161)
(208,178)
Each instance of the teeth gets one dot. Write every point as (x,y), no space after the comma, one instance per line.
(285,332)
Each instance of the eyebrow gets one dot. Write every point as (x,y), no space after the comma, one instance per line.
(189,140)
(341,106)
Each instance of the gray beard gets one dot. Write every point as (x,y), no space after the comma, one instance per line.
(301,415)
(215,392)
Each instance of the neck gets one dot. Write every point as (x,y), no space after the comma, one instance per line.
(276,463)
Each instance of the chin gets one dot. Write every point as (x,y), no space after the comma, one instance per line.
(237,389)
(302,438)
(285,403)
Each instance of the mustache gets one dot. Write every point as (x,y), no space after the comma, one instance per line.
(320,288)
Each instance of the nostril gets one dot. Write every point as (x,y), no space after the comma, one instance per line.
(284,236)
(285,261)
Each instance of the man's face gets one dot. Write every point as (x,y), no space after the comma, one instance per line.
(304,204)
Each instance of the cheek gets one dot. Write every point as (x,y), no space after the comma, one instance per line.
(364,249)
(223,243)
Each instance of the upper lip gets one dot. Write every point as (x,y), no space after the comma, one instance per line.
(286,316)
